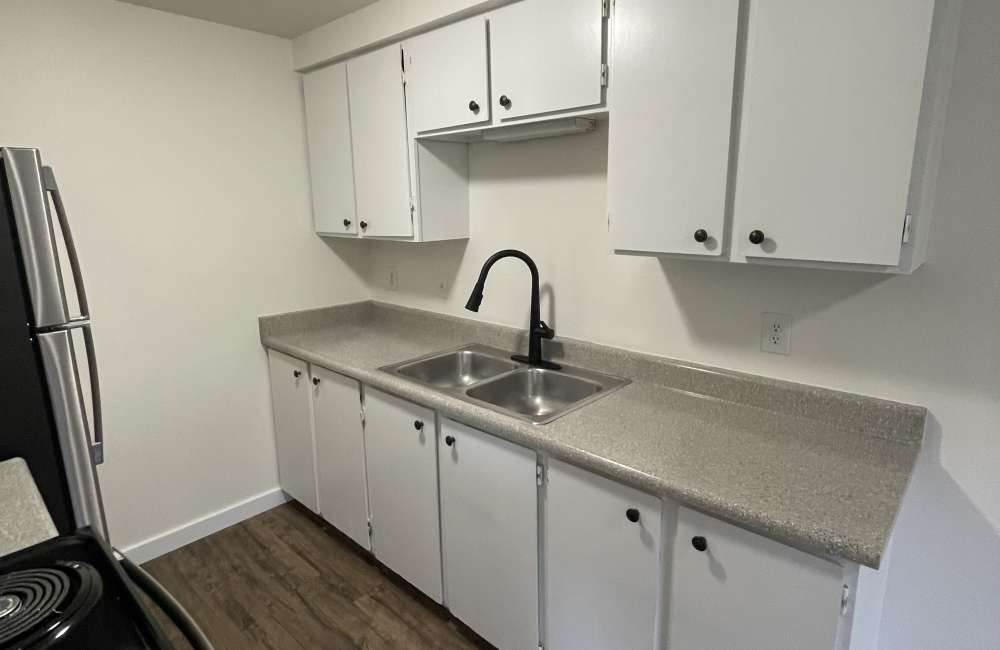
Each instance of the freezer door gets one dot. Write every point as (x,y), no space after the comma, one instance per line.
(66,392)
(30,185)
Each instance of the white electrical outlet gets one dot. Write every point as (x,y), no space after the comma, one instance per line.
(775,333)
(393,278)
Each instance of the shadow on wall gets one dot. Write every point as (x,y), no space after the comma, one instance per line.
(709,296)
(536,160)
(353,253)
(957,545)
(427,270)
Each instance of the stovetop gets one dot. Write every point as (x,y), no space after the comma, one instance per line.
(70,592)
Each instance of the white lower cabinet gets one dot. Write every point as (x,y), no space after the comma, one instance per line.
(602,562)
(616,567)
(293,427)
(340,454)
(401,447)
(746,591)
(489,527)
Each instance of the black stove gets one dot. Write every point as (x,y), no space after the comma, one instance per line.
(71,592)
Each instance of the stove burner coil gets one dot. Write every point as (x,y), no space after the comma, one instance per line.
(42,603)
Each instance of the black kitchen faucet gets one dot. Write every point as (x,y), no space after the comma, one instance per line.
(538,330)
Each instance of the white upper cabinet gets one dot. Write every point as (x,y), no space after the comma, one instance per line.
(733,589)
(489,534)
(831,103)
(447,77)
(670,120)
(293,428)
(401,446)
(546,56)
(340,454)
(602,563)
(331,165)
(380,144)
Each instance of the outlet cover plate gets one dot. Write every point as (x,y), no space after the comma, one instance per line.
(775,333)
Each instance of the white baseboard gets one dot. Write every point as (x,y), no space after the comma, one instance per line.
(195,529)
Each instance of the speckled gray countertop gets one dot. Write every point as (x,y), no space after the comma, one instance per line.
(817,469)
(24,519)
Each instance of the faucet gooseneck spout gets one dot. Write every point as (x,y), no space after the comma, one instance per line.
(538,330)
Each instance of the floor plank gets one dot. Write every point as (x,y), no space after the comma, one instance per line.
(286,580)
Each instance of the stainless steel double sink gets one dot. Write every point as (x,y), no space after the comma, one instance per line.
(489,378)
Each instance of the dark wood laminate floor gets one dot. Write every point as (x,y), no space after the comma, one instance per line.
(284,579)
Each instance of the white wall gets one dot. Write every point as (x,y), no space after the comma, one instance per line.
(179,146)
(931,339)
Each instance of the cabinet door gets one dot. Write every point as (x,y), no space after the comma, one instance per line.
(446,77)
(340,454)
(602,570)
(545,55)
(746,591)
(489,527)
(379,142)
(331,166)
(669,132)
(830,107)
(401,447)
(293,432)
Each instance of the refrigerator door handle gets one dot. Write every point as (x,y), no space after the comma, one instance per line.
(49,181)
(97,444)
(63,379)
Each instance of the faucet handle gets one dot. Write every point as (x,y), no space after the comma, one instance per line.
(544,330)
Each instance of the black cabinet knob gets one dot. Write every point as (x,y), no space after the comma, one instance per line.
(756,236)
(632,514)
(701,235)
(347,223)
(474,106)
(449,440)
(699,543)
(505,101)
(315,381)
(363,224)
(296,373)
(418,425)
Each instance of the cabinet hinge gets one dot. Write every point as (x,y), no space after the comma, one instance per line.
(369,528)
(362,416)
(605,8)
(907,223)
(539,478)
(845,600)
(604,75)
(413,208)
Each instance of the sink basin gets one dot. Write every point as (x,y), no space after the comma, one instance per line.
(456,369)
(535,393)
(487,377)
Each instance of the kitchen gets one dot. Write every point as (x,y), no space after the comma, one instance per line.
(187,153)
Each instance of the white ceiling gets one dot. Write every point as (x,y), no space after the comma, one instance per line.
(286,18)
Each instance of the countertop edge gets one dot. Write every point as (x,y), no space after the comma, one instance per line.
(518,432)
(24,519)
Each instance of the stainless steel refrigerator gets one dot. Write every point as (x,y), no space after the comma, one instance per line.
(50,406)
